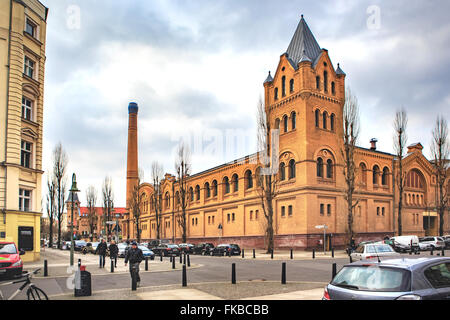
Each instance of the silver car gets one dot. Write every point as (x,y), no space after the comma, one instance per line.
(373,251)
(393,279)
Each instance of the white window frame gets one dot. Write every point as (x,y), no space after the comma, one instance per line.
(28,66)
(29,151)
(26,107)
(23,198)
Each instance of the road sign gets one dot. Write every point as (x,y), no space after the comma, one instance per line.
(322,226)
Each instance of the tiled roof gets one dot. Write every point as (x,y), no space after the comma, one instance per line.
(99,211)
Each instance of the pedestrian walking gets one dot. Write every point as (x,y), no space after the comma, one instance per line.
(113,252)
(135,256)
(101,251)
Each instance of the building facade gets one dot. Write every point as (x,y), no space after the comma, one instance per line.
(304,100)
(22,54)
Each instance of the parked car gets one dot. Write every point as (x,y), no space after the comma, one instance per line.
(447,241)
(186,247)
(79,245)
(122,249)
(147,252)
(203,248)
(225,249)
(156,243)
(392,279)
(11,264)
(423,245)
(167,250)
(437,243)
(373,251)
(403,243)
(88,248)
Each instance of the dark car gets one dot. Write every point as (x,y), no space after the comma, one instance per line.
(79,245)
(156,243)
(392,279)
(226,249)
(186,247)
(447,241)
(203,248)
(166,250)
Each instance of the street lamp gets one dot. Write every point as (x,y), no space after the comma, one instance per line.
(72,190)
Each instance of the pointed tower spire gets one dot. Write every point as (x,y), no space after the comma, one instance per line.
(303,43)
(269,78)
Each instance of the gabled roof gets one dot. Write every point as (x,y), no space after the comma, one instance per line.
(303,43)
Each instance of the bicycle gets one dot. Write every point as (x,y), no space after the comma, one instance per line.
(33,292)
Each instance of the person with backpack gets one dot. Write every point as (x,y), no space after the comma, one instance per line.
(135,256)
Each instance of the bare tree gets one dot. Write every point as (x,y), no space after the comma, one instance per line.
(60,161)
(440,149)
(157,176)
(183,169)
(108,205)
(350,138)
(91,201)
(267,176)
(135,205)
(400,140)
(51,206)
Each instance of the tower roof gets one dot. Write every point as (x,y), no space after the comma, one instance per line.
(75,197)
(339,70)
(303,43)
(269,78)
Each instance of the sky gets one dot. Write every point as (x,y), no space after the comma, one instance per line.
(196,70)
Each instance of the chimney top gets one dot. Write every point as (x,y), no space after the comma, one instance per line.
(133,107)
(373,144)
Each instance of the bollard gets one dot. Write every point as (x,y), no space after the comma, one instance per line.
(146,263)
(243,255)
(112,266)
(188,261)
(443,252)
(173,262)
(292,254)
(45,268)
(170,258)
(271,254)
(332,252)
(431,252)
(333,271)
(233,273)
(184,259)
(79,263)
(314,253)
(283,273)
(351,260)
(133,282)
(254,255)
(160,257)
(181,258)
(184,277)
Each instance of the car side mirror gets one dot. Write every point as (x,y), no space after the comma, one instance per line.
(21,252)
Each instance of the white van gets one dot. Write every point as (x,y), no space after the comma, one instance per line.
(403,243)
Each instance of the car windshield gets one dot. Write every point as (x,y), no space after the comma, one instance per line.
(7,248)
(379,249)
(373,278)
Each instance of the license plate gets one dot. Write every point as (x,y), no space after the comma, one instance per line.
(2,270)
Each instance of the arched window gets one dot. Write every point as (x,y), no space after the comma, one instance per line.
(293,119)
(207,190)
(283,86)
(324,120)
(277,124)
(291,85)
(363,172)
(318,83)
(317,113)
(214,187)
(292,169)
(320,167)
(329,169)
(333,88)
(258,176)
(226,184)
(275,94)
(375,174)
(235,182)
(167,200)
(191,193)
(285,124)
(332,117)
(248,180)
(197,192)
(282,171)
(384,176)
(325,81)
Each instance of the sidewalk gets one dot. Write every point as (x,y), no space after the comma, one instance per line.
(297,255)
(245,290)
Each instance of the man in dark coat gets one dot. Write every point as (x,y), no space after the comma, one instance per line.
(113,252)
(101,251)
(135,256)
